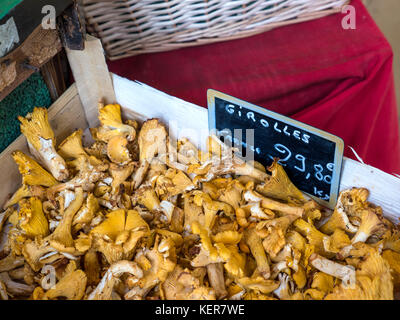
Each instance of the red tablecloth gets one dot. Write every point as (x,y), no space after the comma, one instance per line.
(340,81)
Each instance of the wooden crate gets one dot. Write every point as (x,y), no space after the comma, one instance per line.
(77,108)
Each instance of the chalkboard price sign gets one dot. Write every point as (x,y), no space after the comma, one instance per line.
(311,157)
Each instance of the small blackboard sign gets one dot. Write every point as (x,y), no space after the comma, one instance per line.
(311,157)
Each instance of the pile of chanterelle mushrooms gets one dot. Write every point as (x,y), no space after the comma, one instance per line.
(135,216)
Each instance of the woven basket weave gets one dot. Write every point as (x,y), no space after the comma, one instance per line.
(131,27)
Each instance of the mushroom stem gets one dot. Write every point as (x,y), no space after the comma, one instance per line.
(344,273)
(3,217)
(275,205)
(3,291)
(257,250)
(61,239)
(215,272)
(17,274)
(71,286)
(246,169)
(370,223)
(10,262)
(104,289)
(241,217)
(48,155)
(15,288)
(272,204)
(139,175)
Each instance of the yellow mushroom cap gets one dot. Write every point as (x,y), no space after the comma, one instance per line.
(32,219)
(118,221)
(41,140)
(111,121)
(228,237)
(279,186)
(32,173)
(112,225)
(152,139)
(147,197)
(72,146)
(35,126)
(259,284)
(25,191)
(117,150)
(110,115)
(393,259)
(72,286)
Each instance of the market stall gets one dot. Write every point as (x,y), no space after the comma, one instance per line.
(114,193)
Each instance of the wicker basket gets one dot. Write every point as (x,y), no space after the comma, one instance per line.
(131,27)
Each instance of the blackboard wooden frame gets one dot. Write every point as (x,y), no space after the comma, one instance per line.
(338,157)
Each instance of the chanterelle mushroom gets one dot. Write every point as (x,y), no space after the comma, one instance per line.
(32,173)
(104,289)
(373,281)
(258,284)
(72,286)
(254,242)
(321,285)
(272,204)
(3,291)
(153,275)
(279,186)
(350,203)
(273,233)
(117,236)
(181,284)
(370,224)
(222,248)
(224,161)
(25,192)
(111,124)
(117,150)
(215,273)
(32,219)
(15,288)
(71,147)
(88,174)
(86,213)
(34,251)
(11,262)
(61,239)
(344,273)
(4,217)
(152,140)
(41,140)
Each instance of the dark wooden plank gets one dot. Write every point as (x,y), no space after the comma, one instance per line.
(28,16)
(55,76)
(36,50)
(71,26)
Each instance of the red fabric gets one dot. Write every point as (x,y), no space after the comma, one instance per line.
(340,81)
